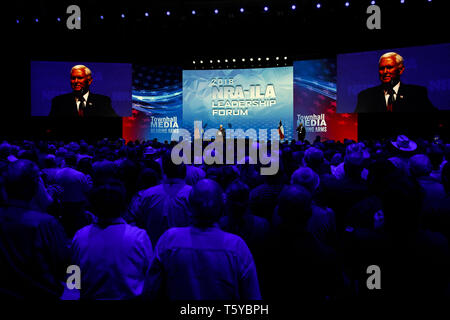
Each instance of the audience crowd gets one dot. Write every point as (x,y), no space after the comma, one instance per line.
(140,227)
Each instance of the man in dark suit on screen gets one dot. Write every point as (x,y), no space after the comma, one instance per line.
(81,102)
(393,95)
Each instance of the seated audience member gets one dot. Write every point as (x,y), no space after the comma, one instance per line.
(202,262)
(34,254)
(113,256)
(163,206)
(299,266)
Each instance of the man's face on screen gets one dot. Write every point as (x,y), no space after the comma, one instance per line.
(389,70)
(79,81)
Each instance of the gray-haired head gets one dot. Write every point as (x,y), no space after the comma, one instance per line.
(21,180)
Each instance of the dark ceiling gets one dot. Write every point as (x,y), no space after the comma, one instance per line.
(305,32)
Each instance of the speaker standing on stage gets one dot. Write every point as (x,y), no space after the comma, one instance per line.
(392,95)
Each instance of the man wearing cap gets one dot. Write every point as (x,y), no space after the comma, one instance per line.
(392,95)
(341,194)
(81,102)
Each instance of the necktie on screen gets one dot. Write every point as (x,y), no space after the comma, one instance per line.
(81,107)
(391,100)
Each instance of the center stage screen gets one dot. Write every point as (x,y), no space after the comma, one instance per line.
(239,99)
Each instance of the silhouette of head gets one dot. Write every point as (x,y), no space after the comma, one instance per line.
(21,180)
(294,205)
(306,177)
